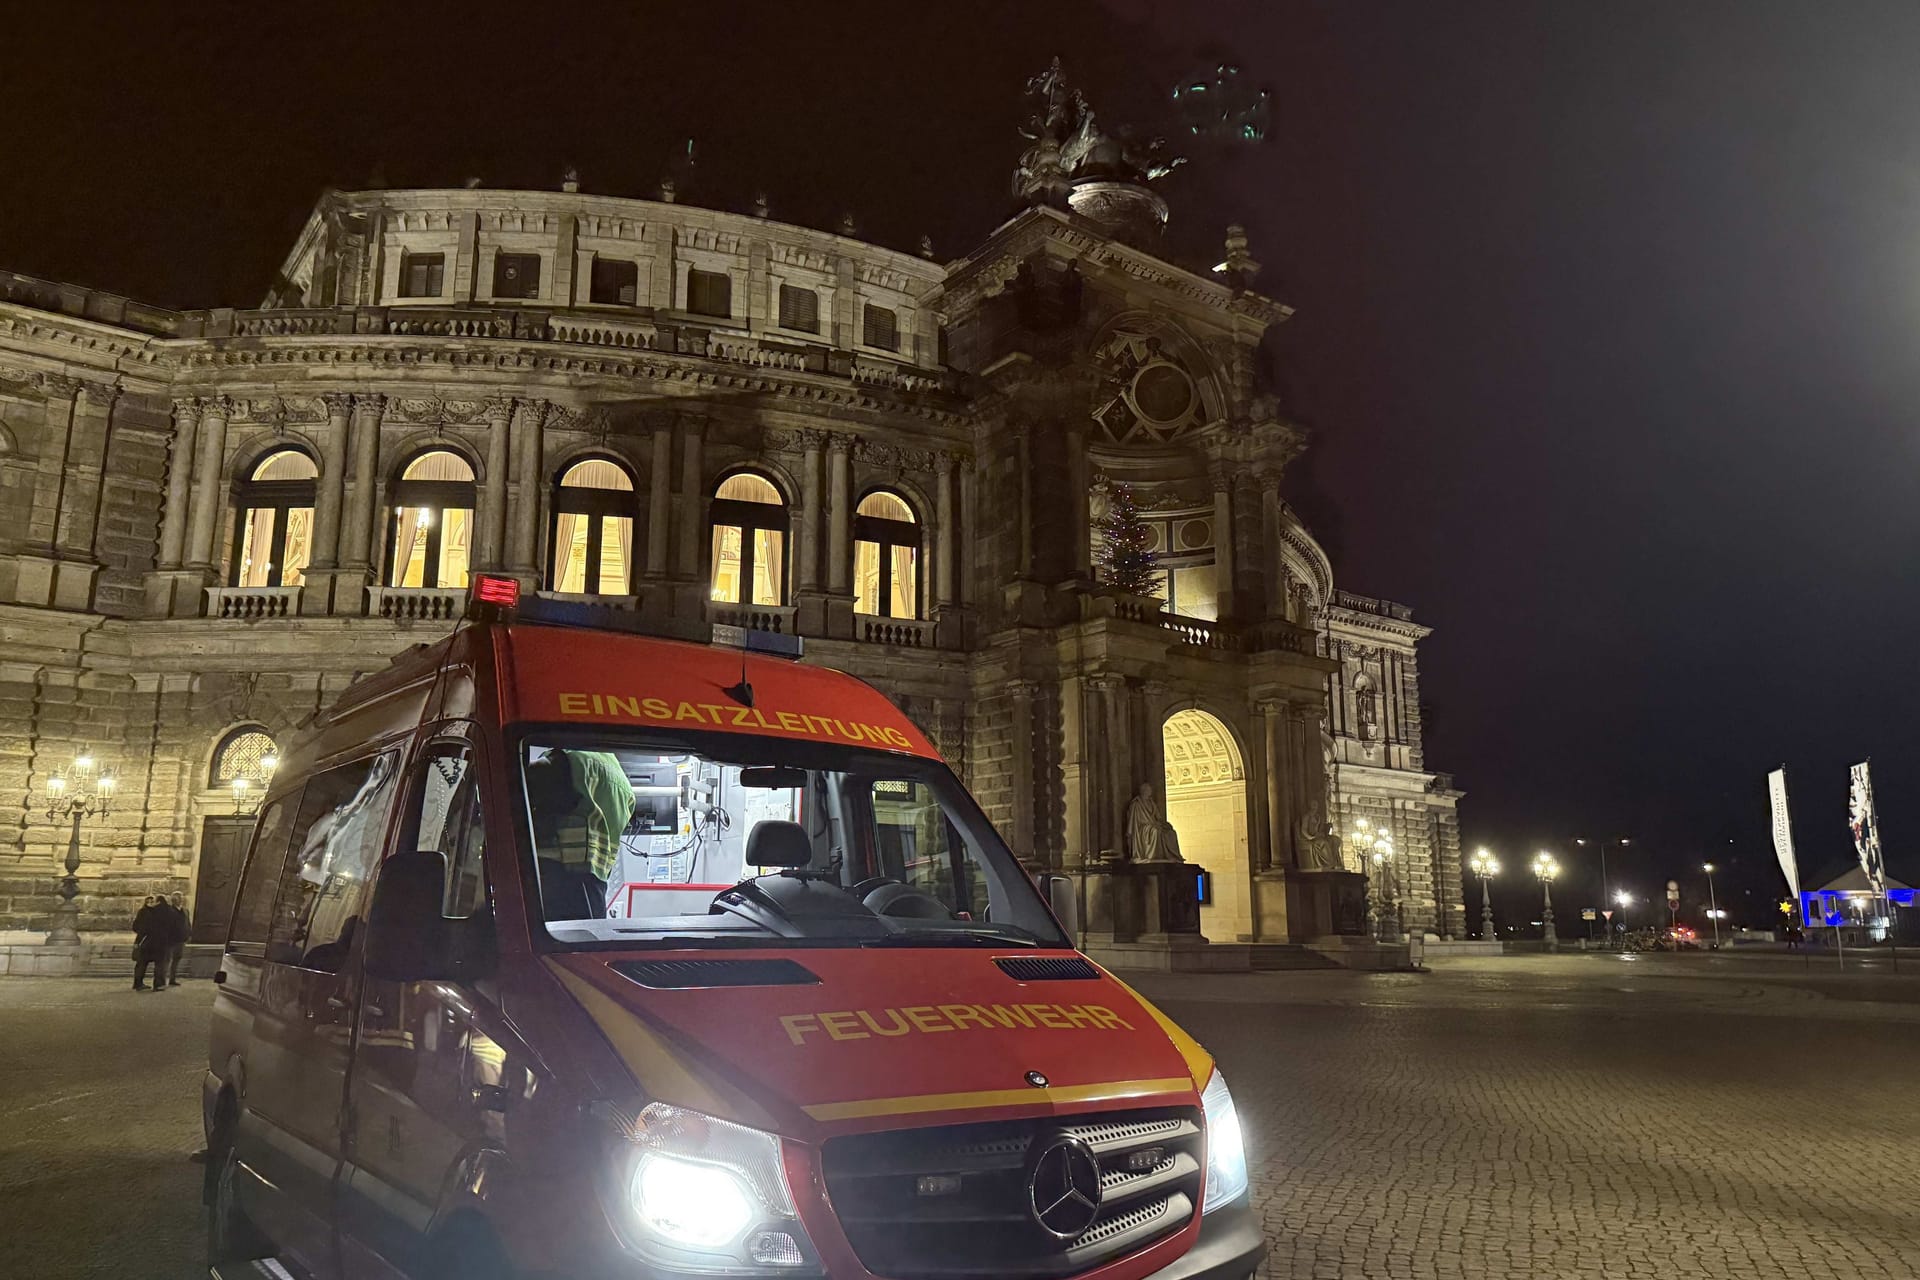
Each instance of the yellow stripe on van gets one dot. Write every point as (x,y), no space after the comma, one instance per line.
(916,1104)
(1199,1061)
(659,1071)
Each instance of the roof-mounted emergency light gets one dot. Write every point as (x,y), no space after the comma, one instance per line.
(494,598)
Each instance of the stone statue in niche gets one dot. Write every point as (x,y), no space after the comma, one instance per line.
(1319,847)
(1150,837)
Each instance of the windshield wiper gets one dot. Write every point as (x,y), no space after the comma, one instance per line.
(949,938)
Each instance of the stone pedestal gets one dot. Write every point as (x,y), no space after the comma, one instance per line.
(1301,906)
(54,582)
(1154,903)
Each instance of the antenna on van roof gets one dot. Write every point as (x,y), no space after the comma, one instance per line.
(741,693)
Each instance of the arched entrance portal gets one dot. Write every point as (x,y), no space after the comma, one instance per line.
(1206,789)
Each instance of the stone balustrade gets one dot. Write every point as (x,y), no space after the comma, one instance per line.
(251,604)
(416,604)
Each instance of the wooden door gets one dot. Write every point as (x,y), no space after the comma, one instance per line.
(223,850)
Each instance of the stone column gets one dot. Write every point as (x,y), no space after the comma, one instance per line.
(83,490)
(839,514)
(332,495)
(660,497)
(1079,725)
(1278,852)
(693,503)
(1080,487)
(43,519)
(316,592)
(356,532)
(173,516)
(529,421)
(806,530)
(493,495)
(1021,694)
(208,498)
(1223,557)
(946,545)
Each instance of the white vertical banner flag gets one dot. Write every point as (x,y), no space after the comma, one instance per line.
(1783,833)
(1866,827)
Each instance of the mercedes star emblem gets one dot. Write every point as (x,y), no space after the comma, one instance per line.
(1064,1188)
(1036,1079)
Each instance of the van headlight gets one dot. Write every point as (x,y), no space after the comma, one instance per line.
(705,1194)
(1226,1152)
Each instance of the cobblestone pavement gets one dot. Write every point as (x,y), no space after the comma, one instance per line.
(1576,1116)
(1501,1118)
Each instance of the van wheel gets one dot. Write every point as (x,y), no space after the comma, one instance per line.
(231,1235)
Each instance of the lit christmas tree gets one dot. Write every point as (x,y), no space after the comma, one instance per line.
(1126,553)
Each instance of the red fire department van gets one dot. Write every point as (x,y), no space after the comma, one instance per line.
(565,951)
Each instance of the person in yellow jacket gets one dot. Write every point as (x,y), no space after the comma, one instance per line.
(582,802)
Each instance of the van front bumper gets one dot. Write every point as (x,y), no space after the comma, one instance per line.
(1230,1247)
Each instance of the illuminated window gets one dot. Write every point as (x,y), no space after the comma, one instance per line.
(1182,544)
(431,540)
(749,522)
(243,754)
(273,533)
(886,557)
(592,539)
(881,328)
(709,293)
(615,282)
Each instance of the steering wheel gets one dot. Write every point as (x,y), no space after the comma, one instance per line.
(886,896)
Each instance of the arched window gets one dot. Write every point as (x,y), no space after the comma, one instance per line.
(273,532)
(431,544)
(592,541)
(749,522)
(248,754)
(886,557)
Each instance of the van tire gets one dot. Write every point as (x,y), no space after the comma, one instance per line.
(231,1235)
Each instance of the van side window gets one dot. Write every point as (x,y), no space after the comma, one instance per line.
(329,862)
(253,907)
(916,844)
(451,821)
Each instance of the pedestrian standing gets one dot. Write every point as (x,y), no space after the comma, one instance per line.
(150,929)
(182,930)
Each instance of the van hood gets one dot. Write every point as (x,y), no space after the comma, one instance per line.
(814,1042)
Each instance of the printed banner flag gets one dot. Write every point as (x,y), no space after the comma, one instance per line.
(1866,828)
(1783,831)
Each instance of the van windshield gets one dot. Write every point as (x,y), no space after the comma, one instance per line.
(725,840)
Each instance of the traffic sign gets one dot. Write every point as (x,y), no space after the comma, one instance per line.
(1607,916)
(1587,913)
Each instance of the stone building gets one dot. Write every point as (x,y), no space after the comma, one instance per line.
(1377,762)
(211,521)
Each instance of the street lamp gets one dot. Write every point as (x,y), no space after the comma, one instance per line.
(1486,866)
(1601,845)
(1547,867)
(1713,907)
(246,802)
(83,790)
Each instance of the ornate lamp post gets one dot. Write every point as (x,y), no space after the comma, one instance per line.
(1713,907)
(246,801)
(1547,867)
(1486,866)
(83,790)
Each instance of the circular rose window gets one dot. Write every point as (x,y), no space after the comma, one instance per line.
(1163,393)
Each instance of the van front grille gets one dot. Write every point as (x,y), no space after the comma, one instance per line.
(956,1202)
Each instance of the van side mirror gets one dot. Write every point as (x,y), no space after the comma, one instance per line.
(1064,900)
(408,937)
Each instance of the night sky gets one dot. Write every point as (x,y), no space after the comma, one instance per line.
(1606,312)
